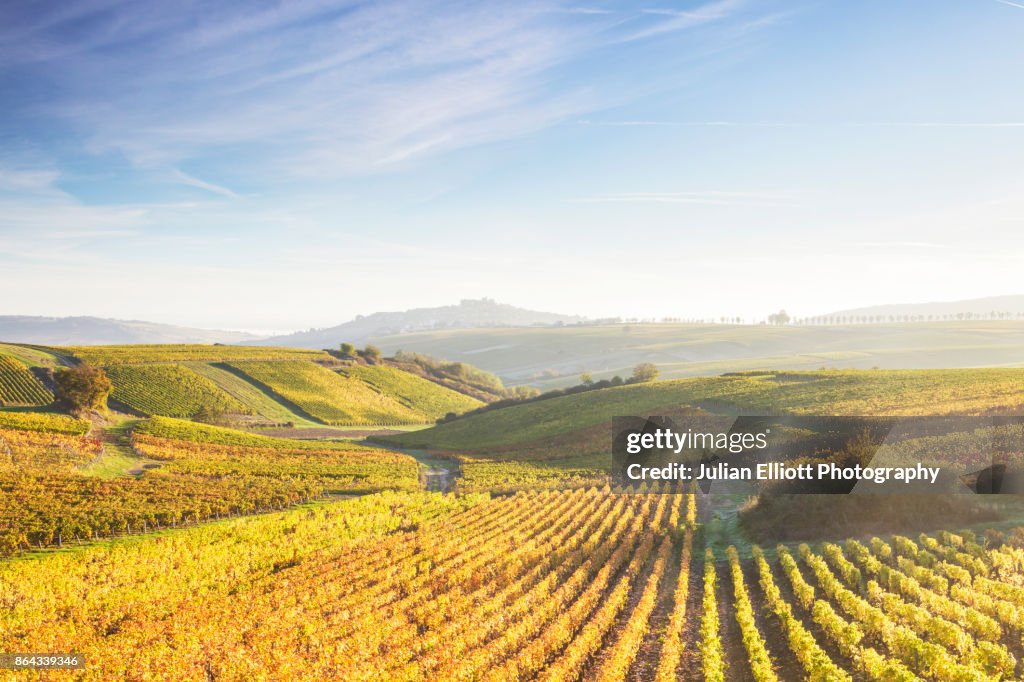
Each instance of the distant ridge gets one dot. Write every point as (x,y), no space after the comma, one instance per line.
(468,314)
(87,331)
(977,307)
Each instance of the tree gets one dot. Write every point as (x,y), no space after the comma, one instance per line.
(586,378)
(83,388)
(372,354)
(645,371)
(781,317)
(348,349)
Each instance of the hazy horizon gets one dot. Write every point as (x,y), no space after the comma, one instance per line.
(673,319)
(292,166)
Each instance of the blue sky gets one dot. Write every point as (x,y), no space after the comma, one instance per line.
(275,166)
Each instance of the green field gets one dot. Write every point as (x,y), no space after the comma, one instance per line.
(839,392)
(258,400)
(328,396)
(430,399)
(33,356)
(549,357)
(170,390)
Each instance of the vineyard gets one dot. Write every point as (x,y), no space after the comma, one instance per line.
(43,422)
(432,400)
(253,397)
(253,385)
(170,390)
(557,585)
(147,353)
(47,498)
(327,396)
(18,386)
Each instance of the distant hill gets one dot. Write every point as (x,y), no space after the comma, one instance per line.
(552,357)
(984,308)
(468,314)
(83,331)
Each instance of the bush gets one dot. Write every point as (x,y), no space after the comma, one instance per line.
(371,354)
(644,372)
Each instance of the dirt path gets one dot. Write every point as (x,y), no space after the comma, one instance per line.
(787,667)
(737,665)
(690,665)
(118,457)
(646,663)
(819,635)
(623,618)
(437,474)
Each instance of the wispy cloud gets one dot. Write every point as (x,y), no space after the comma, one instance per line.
(674,20)
(31,180)
(320,87)
(639,123)
(704,198)
(681,124)
(585,10)
(1011,4)
(352,86)
(193,181)
(943,124)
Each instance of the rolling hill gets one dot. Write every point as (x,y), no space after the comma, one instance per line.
(1012,306)
(260,385)
(468,314)
(565,441)
(70,331)
(551,357)
(855,393)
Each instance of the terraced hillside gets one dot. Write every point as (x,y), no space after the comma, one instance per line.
(328,396)
(414,392)
(171,390)
(259,386)
(18,386)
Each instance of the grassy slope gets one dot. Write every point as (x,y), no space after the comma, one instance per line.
(328,396)
(118,458)
(170,390)
(250,395)
(830,392)
(426,397)
(175,380)
(30,355)
(146,353)
(525,355)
